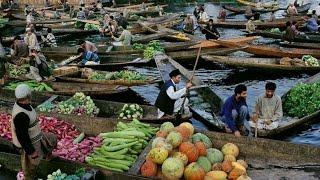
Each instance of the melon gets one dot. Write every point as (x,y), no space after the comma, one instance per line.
(161,142)
(189,126)
(214,155)
(174,138)
(162,134)
(167,127)
(216,175)
(203,138)
(230,157)
(230,149)
(204,163)
(182,157)
(243,163)
(148,169)
(216,167)
(239,167)
(158,155)
(244,177)
(172,168)
(194,172)
(226,166)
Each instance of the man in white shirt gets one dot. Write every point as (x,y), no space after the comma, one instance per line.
(169,100)
(203,16)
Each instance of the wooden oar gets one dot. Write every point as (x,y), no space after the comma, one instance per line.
(180,112)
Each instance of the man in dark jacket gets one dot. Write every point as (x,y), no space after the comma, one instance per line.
(169,100)
(234,112)
(211,31)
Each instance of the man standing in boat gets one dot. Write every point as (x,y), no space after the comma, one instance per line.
(26,133)
(268,109)
(235,113)
(211,31)
(169,100)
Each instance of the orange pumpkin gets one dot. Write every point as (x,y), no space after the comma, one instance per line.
(148,169)
(185,132)
(162,134)
(226,166)
(194,172)
(217,167)
(201,148)
(234,174)
(190,150)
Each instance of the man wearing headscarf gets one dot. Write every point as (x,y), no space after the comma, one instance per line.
(26,133)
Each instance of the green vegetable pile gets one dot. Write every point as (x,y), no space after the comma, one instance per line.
(34,85)
(150,49)
(302,100)
(121,148)
(131,111)
(79,104)
(89,26)
(310,61)
(58,175)
(119,75)
(274,30)
(16,71)
(79,25)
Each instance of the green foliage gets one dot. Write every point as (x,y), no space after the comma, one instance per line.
(302,100)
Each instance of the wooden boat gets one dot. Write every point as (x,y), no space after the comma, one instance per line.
(266,158)
(258,64)
(300,45)
(211,44)
(264,5)
(77,77)
(267,51)
(132,7)
(69,88)
(242,9)
(109,110)
(204,102)
(45,22)
(304,8)
(289,123)
(298,38)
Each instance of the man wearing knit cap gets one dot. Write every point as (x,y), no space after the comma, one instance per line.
(26,133)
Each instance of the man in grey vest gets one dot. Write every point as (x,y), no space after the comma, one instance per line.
(27,135)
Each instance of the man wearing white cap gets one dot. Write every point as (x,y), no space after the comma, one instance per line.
(31,39)
(39,67)
(27,135)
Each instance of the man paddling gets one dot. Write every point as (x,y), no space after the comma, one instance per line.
(211,31)
(170,100)
(26,133)
(234,112)
(268,109)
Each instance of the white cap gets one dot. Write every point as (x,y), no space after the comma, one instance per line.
(22,91)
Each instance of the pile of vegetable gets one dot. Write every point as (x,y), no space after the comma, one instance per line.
(34,85)
(302,100)
(76,149)
(177,152)
(58,175)
(310,61)
(16,71)
(182,36)
(131,111)
(119,75)
(79,104)
(274,30)
(149,50)
(121,148)
(5,126)
(89,26)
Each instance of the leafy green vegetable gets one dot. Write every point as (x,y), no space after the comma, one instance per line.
(302,100)
(119,75)
(89,26)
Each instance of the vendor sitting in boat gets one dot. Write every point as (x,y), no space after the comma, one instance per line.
(188,25)
(312,24)
(235,113)
(88,46)
(203,16)
(292,10)
(170,100)
(39,68)
(124,39)
(289,34)
(27,137)
(222,15)
(50,40)
(211,31)
(88,57)
(250,27)
(20,51)
(268,109)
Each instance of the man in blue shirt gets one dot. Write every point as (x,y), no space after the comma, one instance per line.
(88,57)
(235,111)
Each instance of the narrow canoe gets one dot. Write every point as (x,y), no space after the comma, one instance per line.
(300,45)
(242,9)
(259,25)
(258,64)
(266,51)
(266,158)
(307,38)
(211,44)
(204,102)
(109,111)
(69,88)
(46,22)
(77,77)
(289,123)
(265,5)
